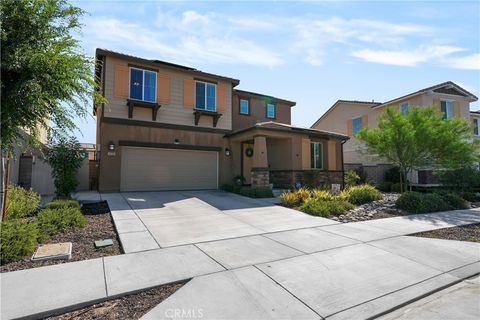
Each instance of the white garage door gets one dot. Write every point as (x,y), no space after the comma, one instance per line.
(149,169)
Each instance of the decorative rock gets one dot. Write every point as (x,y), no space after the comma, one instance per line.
(53,251)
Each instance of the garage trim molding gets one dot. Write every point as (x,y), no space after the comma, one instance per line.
(128,143)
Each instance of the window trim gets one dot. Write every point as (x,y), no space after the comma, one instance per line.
(353,127)
(215,96)
(312,165)
(402,104)
(240,106)
(143,84)
(274,110)
(446,108)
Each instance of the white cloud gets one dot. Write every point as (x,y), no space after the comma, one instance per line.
(178,45)
(267,40)
(471,62)
(408,58)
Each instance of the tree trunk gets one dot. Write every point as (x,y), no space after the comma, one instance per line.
(401,180)
(5,176)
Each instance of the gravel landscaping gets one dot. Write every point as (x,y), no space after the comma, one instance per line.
(379,209)
(129,307)
(99,227)
(462,233)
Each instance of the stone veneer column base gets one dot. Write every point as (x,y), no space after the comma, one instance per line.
(260,177)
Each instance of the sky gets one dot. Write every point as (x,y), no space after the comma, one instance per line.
(311,52)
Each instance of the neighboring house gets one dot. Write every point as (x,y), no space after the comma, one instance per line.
(348,117)
(171,127)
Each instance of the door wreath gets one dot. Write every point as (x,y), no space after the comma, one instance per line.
(249,152)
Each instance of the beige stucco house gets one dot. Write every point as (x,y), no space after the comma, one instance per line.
(172,127)
(348,117)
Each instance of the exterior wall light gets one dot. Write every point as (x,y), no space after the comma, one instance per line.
(176,141)
(227,152)
(111,146)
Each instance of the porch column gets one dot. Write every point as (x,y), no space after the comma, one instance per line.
(260,173)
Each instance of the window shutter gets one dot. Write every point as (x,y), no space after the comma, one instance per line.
(163,88)
(349,128)
(475,126)
(456,109)
(189,93)
(121,82)
(222,91)
(364,121)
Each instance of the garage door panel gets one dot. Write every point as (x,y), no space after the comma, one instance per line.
(146,169)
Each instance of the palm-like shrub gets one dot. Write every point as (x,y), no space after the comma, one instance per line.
(361,194)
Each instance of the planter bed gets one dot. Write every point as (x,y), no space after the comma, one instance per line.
(99,227)
(463,233)
(129,307)
(379,209)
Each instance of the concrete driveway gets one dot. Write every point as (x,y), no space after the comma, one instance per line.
(249,259)
(150,220)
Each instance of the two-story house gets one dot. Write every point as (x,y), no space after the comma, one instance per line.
(349,117)
(171,127)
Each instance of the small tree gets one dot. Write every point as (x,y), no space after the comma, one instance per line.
(421,138)
(65,157)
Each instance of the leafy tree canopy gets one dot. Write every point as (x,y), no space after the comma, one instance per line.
(421,138)
(46,80)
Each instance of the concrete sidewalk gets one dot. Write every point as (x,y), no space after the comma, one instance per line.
(332,270)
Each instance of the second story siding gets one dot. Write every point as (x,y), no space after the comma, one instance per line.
(174,90)
(254,109)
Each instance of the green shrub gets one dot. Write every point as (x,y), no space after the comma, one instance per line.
(322,195)
(361,194)
(470,196)
(18,239)
(396,187)
(303,194)
(247,192)
(263,192)
(351,178)
(385,186)
(65,157)
(20,202)
(54,221)
(324,208)
(416,202)
(289,199)
(58,204)
(453,200)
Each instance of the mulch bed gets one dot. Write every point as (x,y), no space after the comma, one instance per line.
(463,233)
(129,307)
(99,227)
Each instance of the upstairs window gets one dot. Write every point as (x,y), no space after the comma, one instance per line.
(447,109)
(244,106)
(271,112)
(404,108)
(205,96)
(316,155)
(356,125)
(143,85)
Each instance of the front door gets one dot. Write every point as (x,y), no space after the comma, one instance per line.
(247,161)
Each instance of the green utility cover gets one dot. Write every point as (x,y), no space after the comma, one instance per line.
(103,243)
